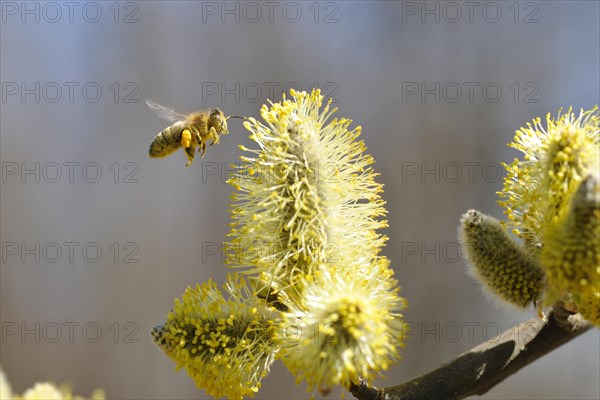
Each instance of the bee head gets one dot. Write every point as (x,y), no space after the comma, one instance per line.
(218,120)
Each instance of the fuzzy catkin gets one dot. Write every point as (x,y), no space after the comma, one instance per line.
(225,344)
(307,198)
(308,206)
(556,158)
(571,254)
(349,327)
(505,268)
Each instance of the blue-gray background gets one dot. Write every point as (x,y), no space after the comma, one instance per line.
(543,56)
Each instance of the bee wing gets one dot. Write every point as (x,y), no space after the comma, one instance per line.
(164,112)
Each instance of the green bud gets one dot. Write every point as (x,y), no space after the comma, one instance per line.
(503,267)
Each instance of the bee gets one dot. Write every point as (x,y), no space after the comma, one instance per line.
(187,131)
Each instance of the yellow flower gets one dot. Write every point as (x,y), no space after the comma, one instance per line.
(306,215)
(552,200)
(307,197)
(5,389)
(348,327)
(225,345)
(538,189)
(571,252)
(44,391)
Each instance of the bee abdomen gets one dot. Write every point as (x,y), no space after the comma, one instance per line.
(167,141)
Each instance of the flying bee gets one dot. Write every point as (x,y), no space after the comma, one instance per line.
(188,131)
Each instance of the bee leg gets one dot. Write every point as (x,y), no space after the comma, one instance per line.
(189,153)
(186,138)
(197,136)
(214,135)
(202,148)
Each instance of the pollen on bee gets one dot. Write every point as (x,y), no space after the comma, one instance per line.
(186,138)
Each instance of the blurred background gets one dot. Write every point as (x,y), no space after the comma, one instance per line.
(98,239)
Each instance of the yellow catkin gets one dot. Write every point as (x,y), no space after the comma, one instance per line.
(349,327)
(307,197)
(571,253)
(44,391)
(538,189)
(306,213)
(226,345)
(551,198)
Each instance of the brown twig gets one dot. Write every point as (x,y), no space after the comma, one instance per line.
(483,367)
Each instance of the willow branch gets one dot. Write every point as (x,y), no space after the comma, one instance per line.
(483,367)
